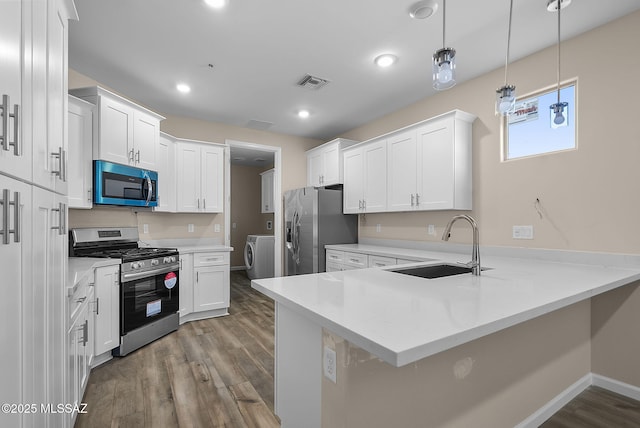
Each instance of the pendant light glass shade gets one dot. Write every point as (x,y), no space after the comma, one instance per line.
(444,60)
(444,68)
(558,112)
(506,95)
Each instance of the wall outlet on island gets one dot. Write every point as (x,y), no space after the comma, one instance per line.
(431,229)
(329,364)
(145,228)
(190,228)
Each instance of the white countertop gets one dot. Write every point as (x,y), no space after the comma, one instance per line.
(402,319)
(79,267)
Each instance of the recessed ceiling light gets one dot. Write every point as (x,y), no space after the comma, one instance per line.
(216,4)
(385,60)
(552,5)
(423,9)
(183,88)
(303,114)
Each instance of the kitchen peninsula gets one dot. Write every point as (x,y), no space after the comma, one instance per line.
(500,349)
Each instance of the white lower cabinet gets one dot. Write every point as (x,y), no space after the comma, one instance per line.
(204,285)
(338,260)
(107,310)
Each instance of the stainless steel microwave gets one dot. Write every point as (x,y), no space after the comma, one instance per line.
(116,184)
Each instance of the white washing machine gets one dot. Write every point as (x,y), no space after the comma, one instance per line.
(258,256)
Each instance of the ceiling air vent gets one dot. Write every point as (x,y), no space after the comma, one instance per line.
(312,82)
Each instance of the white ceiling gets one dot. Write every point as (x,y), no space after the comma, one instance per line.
(259,50)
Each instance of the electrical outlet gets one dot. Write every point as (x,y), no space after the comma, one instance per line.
(522,232)
(190,227)
(269,225)
(145,228)
(329,364)
(431,229)
(216,227)
(378,227)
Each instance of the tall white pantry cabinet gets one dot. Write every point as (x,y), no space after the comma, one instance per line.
(33,210)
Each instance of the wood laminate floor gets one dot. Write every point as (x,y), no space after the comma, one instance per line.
(219,373)
(211,373)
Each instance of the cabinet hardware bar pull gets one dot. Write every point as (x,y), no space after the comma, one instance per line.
(198,203)
(138,156)
(131,155)
(412,199)
(63,165)
(97,306)
(16,215)
(60,156)
(6,115)
(204,203)
(5,216)
(62,220)
(85,333)
(89,195)
(417,200)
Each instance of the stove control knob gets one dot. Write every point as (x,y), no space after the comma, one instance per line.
(135,265)
(173,259)
(166,260)
(155,262)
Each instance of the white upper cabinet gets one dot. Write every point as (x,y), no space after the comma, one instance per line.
(445,162)
(200,173)
(324,163)
(166,173)
(126,133)
(365,179)
(267,191)
(427,165)
(80,171)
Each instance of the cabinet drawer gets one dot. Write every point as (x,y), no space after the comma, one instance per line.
(335,256)
(210,259)
(80,294)
(356,260)
(333,267)
(379,261)
(405,261)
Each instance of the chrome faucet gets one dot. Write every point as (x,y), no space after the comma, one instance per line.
(474,264)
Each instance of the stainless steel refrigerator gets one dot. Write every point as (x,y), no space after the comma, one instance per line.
(313,218)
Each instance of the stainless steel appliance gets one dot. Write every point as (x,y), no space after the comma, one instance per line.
(117,184)
(149,282)
(313,218)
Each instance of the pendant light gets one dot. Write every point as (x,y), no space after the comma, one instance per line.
(558,112)
(444,60)
(506,95)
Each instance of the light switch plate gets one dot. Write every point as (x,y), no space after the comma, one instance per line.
(329,364)
(216,227)
(190,227)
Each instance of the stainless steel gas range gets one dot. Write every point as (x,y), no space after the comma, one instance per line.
(149,282)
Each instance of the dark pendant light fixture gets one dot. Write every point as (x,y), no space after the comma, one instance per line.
(506,95)
(444,60)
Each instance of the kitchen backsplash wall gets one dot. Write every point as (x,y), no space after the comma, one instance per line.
(589,197)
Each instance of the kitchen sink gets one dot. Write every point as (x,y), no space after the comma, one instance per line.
(434,271)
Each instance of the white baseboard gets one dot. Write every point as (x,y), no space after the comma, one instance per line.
(616,386)
(562,399)
(558,402)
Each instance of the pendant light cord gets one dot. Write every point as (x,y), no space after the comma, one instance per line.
(506,60)
(444,20)
(559,6)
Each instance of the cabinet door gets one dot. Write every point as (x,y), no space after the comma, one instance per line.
(353,189)
(107,309)
(331,165)
(267,192)
(375,176)
(115,132)
(166,174)
(401,171)
(80,171)
(211,289)
(12,16)
(314,168)
(146,130)
(186,284)
(212,170)
(16,281)
(436,159)
(188,183)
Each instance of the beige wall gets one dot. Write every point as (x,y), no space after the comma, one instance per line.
(246,195)
(590,196)
(164,225)
(495,381)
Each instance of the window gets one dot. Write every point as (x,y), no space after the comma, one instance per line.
(530,130)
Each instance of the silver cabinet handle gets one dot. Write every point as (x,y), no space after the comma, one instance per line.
(62,164)
(198,203)
(150,185)
(204,203)
(62,219)
(359,204)
(97,306)
(89,195)
(6,215)
(138,156)
(131,155)
(417,200)
(412,198)
(6,115)
(85,333)
(364,204)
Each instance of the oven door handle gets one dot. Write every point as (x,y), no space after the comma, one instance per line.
(132,276)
